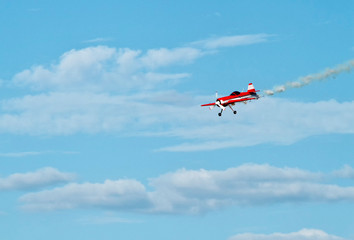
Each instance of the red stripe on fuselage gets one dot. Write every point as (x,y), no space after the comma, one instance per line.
(244,96)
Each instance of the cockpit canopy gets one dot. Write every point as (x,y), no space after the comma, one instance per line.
(235,93)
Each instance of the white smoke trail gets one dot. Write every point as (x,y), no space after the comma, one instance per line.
(303,81)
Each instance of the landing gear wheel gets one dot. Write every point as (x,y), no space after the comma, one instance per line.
(235,112)
(219,114)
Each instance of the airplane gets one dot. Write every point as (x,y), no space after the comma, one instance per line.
(234,97)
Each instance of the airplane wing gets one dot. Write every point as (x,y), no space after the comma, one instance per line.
(209,104)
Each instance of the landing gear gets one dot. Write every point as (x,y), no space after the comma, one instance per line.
(220,113)
(232,109)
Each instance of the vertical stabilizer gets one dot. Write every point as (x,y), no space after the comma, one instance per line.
(250,88)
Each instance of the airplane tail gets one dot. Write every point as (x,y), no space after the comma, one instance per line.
(251,88)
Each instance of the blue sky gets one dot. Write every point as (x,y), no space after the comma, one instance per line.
(103,136)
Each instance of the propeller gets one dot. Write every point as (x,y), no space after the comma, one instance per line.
(217,103)
(216,98)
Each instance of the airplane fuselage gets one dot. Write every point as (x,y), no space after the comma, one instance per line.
(237,97)
(233,98)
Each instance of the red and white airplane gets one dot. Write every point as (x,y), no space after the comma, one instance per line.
(234,97)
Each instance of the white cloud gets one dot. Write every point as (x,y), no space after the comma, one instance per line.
(199,191)
(32,153)
(103,68)
(98,40)
(156,58)
(232,41)
(118,195)
(40,178)
(304,234)
(269,120)
(20,154)
(76,67)
(173,114)
(194,191)
(107,218)
(63,113)
(346,172)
